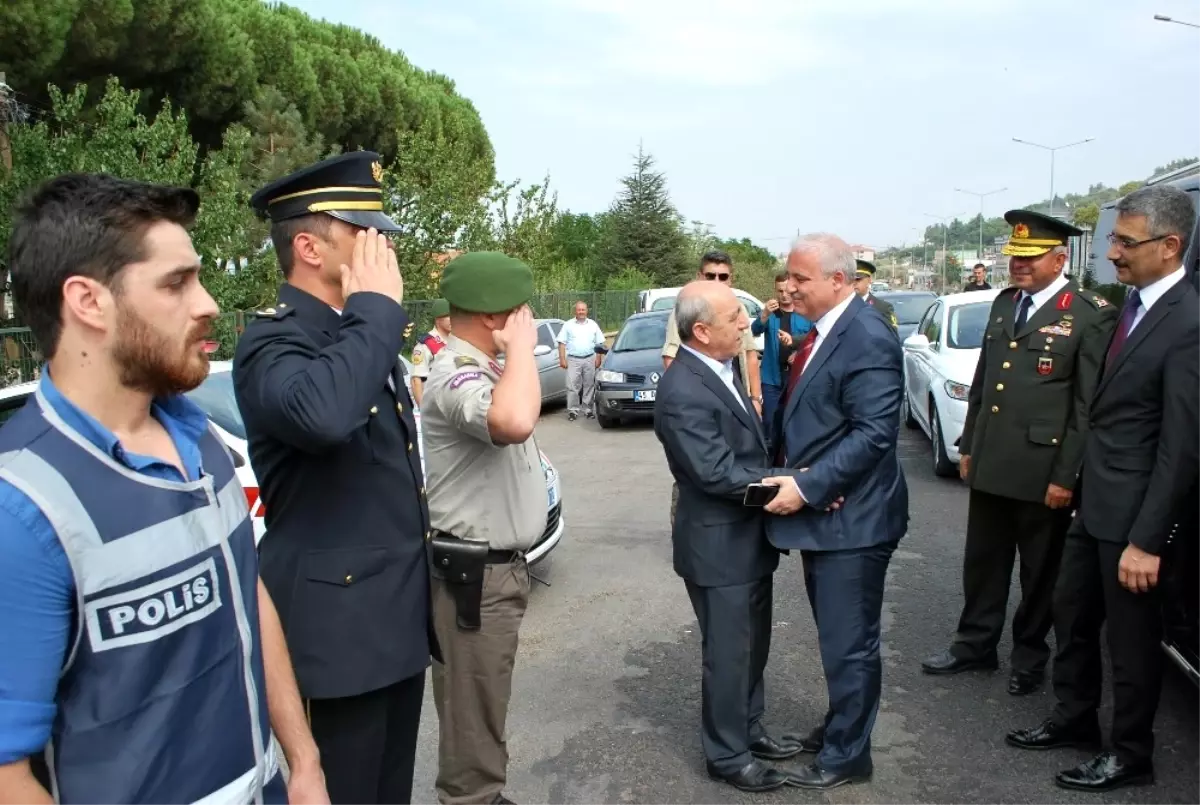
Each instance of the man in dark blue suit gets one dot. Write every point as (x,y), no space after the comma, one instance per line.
(716,448)
(837,431)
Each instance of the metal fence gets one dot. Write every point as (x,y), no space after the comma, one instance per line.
(20,358)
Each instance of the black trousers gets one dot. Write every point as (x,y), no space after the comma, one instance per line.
(999,528)
(368,743)
(1088,594)
(735,626)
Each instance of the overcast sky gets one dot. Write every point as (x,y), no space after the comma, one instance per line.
(851,116)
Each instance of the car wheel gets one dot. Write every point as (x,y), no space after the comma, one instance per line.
(906,411)
(943,467)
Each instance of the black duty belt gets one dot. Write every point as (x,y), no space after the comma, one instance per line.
(493,557)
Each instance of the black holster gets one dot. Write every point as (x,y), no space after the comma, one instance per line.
(460,564)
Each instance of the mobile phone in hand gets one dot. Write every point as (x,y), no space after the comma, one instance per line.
(759,494)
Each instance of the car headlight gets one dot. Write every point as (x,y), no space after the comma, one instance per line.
(605,376)
(957,391)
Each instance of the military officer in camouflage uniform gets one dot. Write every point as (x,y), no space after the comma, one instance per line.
(487,504)
(428,346)
(863,275)
(1022,445)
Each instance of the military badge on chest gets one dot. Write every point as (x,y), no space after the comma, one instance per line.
(1045,365)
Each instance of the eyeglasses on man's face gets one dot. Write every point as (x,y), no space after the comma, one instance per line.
(1128,243)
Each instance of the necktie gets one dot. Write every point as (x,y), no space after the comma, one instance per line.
(1022,313)
(1128,314)
(802,354)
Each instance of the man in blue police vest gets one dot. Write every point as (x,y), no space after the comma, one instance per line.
(334,445)
(142,656)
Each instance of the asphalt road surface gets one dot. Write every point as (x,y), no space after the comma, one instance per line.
(606,699)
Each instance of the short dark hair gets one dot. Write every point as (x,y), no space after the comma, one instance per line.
(978,265)
(285,231)
(781,276)
(89,225)
(716,257)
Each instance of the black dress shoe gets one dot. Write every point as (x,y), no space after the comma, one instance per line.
(815,777)
(1021,684)
(1105,772)
(754,776)
(947,663)
(1050,735)
(808,743)
(768,748)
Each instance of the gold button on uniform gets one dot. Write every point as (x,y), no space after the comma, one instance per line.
(410,447)
(400,407)
(1006,365)
(1054,441)
(349,578)
(422,491)
(995,409)
(1012,344)
(374,410)
(999,387)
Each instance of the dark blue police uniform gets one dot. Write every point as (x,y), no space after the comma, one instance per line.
(333,443)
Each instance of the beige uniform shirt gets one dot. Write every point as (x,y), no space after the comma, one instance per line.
(422,357)
(671,348)
(477,489)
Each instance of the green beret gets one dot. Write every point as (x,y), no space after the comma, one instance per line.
(487,282)
(440,308)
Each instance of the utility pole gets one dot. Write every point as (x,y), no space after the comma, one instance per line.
(981,197)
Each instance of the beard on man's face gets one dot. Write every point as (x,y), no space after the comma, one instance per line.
(157,363)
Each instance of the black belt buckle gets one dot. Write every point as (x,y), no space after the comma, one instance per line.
(460,563)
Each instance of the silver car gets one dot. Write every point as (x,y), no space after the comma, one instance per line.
(553,376)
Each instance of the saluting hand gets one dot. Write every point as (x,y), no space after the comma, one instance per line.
(373,267)
(519,334)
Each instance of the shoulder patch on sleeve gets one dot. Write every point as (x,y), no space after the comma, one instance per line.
(465,360)
(464,377)
(418,356)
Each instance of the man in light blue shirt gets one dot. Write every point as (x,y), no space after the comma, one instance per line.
(577,343)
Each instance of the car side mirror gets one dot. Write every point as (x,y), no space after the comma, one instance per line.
(916,342)
(540,350)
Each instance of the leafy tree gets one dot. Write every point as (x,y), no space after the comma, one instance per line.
(643,228)
(1086,215)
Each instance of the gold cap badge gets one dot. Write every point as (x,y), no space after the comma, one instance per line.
(1019,231)
(377,171)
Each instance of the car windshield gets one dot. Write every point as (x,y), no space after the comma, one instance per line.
(967,324)
(647,333)
(910,309)
(215,397)
(663,303)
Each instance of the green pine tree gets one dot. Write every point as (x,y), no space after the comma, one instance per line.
(643,230)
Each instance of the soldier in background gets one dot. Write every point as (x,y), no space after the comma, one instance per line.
(1022,445)
(863,275)
(428,346)
(978,279)
(487,501)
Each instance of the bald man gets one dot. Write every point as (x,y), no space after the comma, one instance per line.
(716,448)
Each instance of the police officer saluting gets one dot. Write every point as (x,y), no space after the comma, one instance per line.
(141,656)
(1022,446)
(487,498)
(334,446)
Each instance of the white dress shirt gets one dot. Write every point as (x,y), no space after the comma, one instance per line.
(824,326)
(1153,292)
(1043,296)
(723,370)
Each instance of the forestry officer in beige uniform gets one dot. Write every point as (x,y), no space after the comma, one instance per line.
(1028,414)
(487,504)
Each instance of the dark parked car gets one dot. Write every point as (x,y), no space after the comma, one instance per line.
(627,382)
(909,306)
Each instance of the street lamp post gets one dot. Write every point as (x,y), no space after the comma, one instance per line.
(1165,18)
(945,219)
(981,197)
(1052,149)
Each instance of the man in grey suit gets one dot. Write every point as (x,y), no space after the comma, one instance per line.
(716,448)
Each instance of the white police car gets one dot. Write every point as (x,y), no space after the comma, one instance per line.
(215,396)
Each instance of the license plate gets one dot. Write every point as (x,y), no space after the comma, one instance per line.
(552,495)
(644,396)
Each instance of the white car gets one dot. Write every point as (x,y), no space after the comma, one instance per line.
(939,365)
(664,299)
(215,396)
